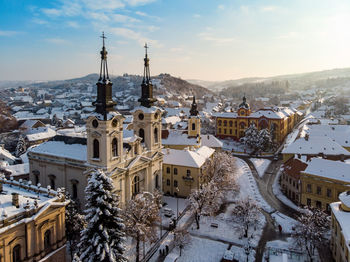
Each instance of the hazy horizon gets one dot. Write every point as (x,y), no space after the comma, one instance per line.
(203,40)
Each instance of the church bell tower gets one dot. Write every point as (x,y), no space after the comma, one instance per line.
(105,126)
(194,121)
(147,120)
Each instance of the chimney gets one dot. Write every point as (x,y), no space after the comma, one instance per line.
(15,199)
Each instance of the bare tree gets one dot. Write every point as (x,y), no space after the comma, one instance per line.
(246,214)
(311,230)
(141,215)
(182,238)
(217,178)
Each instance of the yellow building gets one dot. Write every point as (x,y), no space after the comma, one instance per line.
(32,223)
(182,169)
(322,181)
(340,239)
(279,120)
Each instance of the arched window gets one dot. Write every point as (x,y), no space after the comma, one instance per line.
(157,181)
(231,123)
(47,240)
(225,123)
(193,126)
(156,135)
(114,147)
(75,191)
(168,170)
(142,135)
(136,185)
(36,174)
(175,171)
(52,183)
(96,149)
(16,253)
(219,122)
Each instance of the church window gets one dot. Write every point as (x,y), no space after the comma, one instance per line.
(114,147)
(75,191)
(47,240)
(156,135)
(115,122)
(16,253)
(95,123)
(142,135)
(193,126)
(175,171)
(157,181)
(136,185)
(141,116)
(96,149)
(52,182)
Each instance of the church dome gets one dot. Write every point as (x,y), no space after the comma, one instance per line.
(244,104)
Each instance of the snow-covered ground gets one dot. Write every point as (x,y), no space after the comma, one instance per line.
(203,250)
(288,224)
(279,250)
(261,165)
(248,186)
(235,146)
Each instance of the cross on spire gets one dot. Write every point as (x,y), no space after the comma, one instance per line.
(103,38)
(146,99)
(146,47)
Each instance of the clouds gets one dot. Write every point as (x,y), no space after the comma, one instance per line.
(8,33)
(57,41)
(128,33)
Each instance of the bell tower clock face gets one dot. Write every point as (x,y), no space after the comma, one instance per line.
(95,123)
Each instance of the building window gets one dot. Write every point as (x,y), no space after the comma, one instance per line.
(319,190)
(193,126)
(231,123)
(157,181)
(96,149)
(308,202)
(175,183)
(136,185)
(114,147)
(318,204)
(329,192)
(219,130)
(219,122)
(188,172)
(47,240)
(16,253)
(225,123)
(142,135)
(75,191)
(168,182)
(230,131)
(225,131)
(175,171)
(235,123)
(52,183)
(328,208)
(156,135)
(308,188)
(168,170)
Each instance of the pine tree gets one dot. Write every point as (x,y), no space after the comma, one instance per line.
(74,224)
(21,146)
(251,136)
(103,239)
(265,141)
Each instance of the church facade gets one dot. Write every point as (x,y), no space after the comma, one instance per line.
(133,162)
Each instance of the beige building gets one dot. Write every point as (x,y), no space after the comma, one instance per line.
(322,182)
(32,223)
(133,161)
(340,239)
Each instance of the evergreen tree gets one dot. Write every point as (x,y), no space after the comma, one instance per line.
(265,141)
(74,224)
(251,136)
(21,146)
(104,237)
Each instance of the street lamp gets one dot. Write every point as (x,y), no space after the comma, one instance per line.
(177,203)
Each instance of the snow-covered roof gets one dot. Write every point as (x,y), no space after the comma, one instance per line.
(146,110)
(336,170)
(171,120)
(268,113)
(211,141)
(345,198)
(315,146)
(343,219)
(17,170)
(27,195)
(187,157)
(40,133)
(226,114)
(61,149)
(179,138)
(6,154)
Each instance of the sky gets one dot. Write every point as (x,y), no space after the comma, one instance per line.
(212,40)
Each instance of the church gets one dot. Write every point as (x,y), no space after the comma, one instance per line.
(132,159)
